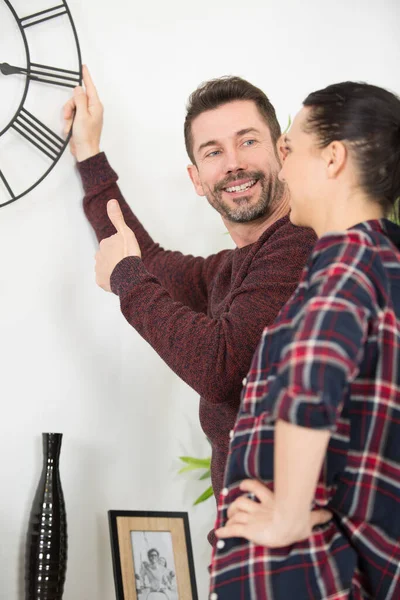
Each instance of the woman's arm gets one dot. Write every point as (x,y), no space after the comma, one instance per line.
(315,370)
(299,453)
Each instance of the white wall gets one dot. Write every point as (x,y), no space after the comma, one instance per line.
(69,362)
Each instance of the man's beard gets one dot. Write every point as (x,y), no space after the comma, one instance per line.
(271,193)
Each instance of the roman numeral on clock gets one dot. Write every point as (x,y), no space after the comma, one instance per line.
(38,134)
(4,180)
(43,15)
(53,76)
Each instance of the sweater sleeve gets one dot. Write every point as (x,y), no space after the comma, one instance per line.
(213,354)
(184,277)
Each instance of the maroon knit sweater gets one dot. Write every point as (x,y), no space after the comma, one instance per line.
(204,317)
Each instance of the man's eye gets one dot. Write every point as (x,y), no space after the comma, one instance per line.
(249,143)
(213,153)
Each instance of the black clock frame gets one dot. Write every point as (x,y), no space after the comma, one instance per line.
(49,143)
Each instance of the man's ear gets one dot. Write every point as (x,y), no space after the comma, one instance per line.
(335,157)
(194,176)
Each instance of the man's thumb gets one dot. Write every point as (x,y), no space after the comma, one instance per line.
(115,215)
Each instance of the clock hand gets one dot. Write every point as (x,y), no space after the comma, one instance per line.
(44,74)
(7,69)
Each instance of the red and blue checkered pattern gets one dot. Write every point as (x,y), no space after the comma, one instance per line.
(331,360)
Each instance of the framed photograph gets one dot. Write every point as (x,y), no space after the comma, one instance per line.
(152,555)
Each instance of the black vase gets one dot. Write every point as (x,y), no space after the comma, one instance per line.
(46,548)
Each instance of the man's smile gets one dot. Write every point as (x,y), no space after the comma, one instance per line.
(238,187)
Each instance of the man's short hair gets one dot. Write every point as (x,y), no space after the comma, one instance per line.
(216,92)
(151,551)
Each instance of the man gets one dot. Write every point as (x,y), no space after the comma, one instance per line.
(204,317)
(155,577)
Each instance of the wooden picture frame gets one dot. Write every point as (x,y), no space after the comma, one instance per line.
(152,555)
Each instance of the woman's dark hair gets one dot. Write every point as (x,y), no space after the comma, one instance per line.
(368,118)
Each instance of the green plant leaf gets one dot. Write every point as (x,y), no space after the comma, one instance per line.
(201,463)
(204,496)
(205,475)
(288,125)
(189,468)
(393,215)
(191,464)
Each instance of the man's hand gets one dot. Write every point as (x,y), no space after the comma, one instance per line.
(113,249)
(260,522)
(88,122)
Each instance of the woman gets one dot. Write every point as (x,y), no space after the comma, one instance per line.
(319,424)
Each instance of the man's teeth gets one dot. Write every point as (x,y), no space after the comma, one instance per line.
(241,188)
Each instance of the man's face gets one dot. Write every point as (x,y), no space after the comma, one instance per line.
(236,164)
(153,557)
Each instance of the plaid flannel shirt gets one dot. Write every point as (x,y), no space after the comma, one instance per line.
(331,360)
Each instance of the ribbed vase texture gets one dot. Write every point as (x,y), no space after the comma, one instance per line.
(46,549)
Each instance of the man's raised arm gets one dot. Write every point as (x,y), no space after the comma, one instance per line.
(84,112)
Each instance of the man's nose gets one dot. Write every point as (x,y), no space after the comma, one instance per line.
(235,161)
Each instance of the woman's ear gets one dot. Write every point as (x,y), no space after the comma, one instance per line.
(280,147)
(335,157)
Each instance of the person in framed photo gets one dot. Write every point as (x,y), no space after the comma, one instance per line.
(156,581)
(170,575)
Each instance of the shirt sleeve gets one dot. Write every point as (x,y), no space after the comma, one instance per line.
(185,277)
(324,354)
(212,355)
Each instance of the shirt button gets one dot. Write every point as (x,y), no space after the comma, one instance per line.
(225,492)
(244,381)
(213,596)
(231,434)
(220,544)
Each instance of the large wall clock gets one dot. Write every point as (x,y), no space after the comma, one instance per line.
(40,61)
